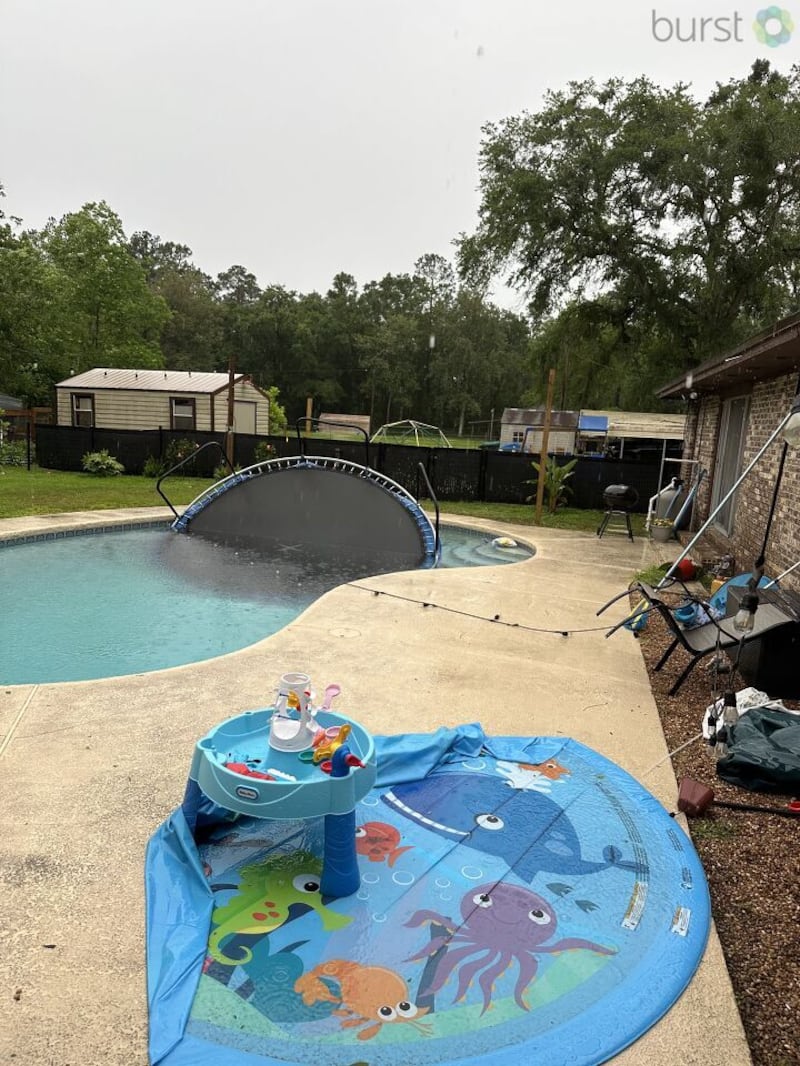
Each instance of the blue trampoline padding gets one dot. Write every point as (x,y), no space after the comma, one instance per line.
(625,888)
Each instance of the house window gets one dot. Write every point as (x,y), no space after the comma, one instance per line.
(181,413)
(518,436)
(82,409)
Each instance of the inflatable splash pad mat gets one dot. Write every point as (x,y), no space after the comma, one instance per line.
(520,901)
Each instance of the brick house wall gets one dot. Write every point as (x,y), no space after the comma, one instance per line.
(769,402)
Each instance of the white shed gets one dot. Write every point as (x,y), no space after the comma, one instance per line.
(106,398)
(521,428)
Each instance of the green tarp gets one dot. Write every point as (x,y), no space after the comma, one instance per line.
(764,752)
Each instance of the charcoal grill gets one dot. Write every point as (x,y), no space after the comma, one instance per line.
(620,500)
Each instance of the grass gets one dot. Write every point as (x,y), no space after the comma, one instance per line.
(36,492)
(524,513)
(708,829)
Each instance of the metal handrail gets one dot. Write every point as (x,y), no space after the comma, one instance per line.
(189,458)
(330,422)
(432,496)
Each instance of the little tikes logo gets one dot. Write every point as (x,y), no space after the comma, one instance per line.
(772,26)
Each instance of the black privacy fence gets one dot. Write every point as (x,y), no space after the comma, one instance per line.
(454,473)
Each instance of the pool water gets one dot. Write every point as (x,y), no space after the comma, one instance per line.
(138,600)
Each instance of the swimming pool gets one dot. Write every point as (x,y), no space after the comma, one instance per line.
(131,601)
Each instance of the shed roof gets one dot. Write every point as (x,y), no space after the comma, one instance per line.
(645,425)
(10,403)
(534,417)
(149,380)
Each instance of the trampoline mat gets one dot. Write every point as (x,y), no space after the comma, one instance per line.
(520,900)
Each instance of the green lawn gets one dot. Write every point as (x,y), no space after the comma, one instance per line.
(35,491)
(29,492)
(523,514)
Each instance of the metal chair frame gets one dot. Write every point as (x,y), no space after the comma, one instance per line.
(700,641)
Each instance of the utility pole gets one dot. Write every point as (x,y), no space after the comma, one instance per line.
(229,429)
(548,407)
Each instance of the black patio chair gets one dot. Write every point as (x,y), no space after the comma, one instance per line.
(702,640)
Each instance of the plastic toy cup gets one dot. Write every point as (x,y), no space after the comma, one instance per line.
(295,684)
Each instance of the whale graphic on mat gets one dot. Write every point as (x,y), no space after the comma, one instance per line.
(524,828)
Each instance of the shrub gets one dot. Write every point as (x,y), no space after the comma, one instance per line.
(177,450)
(101,464)
(13,453)
(263,451)
(556,491)
(153,466)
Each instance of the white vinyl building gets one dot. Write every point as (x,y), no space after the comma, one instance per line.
(106,398)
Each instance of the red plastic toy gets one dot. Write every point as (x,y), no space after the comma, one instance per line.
(244,769)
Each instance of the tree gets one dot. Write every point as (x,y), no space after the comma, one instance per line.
(111,318)
(683,215)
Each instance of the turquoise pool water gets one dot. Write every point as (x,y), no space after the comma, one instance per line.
(138,600)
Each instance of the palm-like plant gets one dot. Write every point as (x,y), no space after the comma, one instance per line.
(556,489)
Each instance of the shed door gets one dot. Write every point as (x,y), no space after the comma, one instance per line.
(244,416)
(729,458)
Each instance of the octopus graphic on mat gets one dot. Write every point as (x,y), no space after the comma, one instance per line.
(369,996)
(267,891)
(526,829)
(500,924)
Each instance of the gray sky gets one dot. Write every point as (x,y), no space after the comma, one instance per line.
(303,137)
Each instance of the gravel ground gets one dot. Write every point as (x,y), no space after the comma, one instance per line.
(752,862)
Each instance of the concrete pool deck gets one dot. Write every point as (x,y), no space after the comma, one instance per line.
(90,769)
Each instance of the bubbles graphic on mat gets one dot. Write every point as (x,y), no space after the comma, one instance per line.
(370,801)
(474,873)
(370,879)
(474,764)
(403,877)
(442,882)
(379,918)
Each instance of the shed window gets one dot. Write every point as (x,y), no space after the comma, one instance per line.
(83,409)
(517,436)
(182,414)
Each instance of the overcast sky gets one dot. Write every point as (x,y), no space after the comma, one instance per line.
(304,137)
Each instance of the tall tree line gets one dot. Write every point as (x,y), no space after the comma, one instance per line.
(647,230)
(80,293)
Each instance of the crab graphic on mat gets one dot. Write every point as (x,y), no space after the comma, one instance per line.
(267,891)
(500,923)
(371,996)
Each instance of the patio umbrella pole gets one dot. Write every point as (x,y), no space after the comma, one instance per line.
(775,434)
